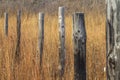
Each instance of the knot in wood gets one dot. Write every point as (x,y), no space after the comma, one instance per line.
(62,26)
(78,31)
(76,51)
(77,35)
(62,36)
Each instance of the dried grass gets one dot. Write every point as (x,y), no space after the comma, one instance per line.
(28,69)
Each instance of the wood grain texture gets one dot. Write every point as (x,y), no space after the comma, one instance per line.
(113,39)
(41,36)
(79,39)
(62,41)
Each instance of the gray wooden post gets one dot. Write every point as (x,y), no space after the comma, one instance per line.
(113,40)
(6,24)
(79,39)
(62,41)
(41,35)
(17,53)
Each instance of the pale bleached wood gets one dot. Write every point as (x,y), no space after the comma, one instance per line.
(113,39)
(62,41)
(41,35)
(79,39)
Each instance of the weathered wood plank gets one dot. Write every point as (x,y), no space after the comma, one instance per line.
(113,40)
(41,35)
(6,24)
(79,39)
(62,41)
(17,53)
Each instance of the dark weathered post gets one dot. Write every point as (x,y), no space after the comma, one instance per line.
(41,35)
(113,39)
(6,24)
(17,53)
(62,41)
(79,39)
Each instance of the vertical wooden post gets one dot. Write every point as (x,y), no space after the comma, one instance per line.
(62,41)
(6,24)
(41,35)
(17,53)
(113,40)
(79,39)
